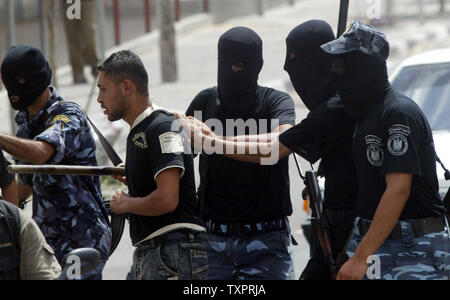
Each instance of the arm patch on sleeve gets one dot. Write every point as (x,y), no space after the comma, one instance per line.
(398,140)
(171,143)
(62,118)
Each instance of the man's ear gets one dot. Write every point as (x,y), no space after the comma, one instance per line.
(129,87)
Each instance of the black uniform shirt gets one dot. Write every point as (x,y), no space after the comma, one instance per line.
(395,137)
(153,146)
(327,134)
(244,192)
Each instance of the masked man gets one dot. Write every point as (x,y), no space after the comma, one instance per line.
(245,206)
(400,225)
(69,210)
(325,134)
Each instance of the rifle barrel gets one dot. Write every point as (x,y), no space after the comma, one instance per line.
(66,170)
(343,16)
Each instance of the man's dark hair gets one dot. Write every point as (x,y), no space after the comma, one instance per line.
(125,65)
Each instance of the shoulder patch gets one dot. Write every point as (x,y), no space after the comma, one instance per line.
(398,142)
(171,143)
(375,153)
(62,118)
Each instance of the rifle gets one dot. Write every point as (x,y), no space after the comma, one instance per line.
(447,177)
(320,222)
(343,15)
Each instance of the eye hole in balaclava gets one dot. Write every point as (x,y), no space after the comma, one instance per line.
(238,67)
(291,56)
(307,65)
(240,62)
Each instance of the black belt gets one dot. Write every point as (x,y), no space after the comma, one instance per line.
(175,236)
(419,227)
(242,229)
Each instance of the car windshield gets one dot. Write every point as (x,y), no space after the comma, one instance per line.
(429,86)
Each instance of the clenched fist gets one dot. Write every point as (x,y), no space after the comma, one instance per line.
(119,202)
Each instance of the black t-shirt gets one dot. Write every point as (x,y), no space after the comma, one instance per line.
(154,145)
(395,137)
(327,134)
(244,192)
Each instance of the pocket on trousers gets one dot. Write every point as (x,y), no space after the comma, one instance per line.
(199,264)
(168,256)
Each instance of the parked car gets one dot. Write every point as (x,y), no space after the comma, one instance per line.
(425,78)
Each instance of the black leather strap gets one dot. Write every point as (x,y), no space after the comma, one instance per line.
(420,227)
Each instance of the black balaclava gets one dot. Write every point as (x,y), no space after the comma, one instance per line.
(309,70)
(360,56)
(364,84)
(237,90)
(25,74)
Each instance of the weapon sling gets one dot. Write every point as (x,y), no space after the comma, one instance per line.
(117,221)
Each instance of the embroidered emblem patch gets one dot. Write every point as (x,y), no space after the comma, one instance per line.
(375,153)
(398,141)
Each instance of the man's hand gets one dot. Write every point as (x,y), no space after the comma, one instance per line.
(122,179)
(119,202)
(398,188)
(354,269)
(195,129)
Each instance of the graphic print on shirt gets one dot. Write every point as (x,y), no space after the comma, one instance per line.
(140,140)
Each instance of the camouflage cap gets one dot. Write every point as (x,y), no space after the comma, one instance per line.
(360,37)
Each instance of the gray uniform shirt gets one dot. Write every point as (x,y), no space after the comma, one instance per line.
(37,260)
